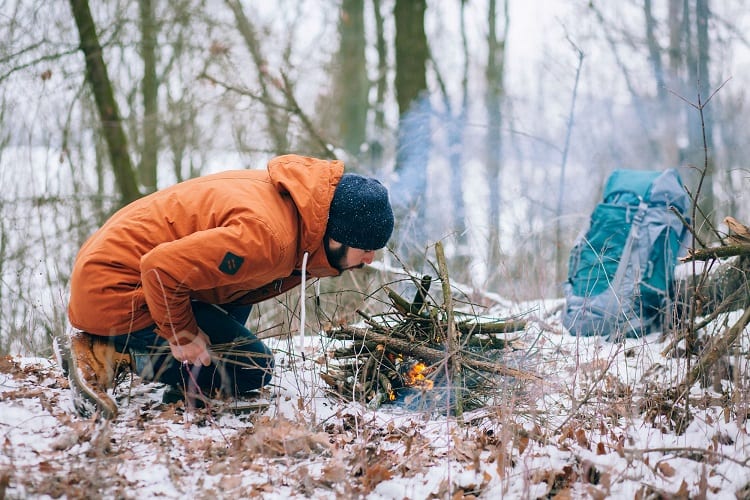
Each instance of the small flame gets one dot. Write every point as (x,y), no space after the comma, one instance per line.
(415,377)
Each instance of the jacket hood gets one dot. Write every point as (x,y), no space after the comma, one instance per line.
(310,182)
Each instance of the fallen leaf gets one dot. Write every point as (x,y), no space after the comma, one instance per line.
(665,469)
(683,492)
(374,475)
(581,438)
(565,494)
(523,443)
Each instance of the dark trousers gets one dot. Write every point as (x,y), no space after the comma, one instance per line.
(240,362)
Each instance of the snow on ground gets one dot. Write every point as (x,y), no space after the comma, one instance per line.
(582,431)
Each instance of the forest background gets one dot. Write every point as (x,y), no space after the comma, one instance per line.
(493,123)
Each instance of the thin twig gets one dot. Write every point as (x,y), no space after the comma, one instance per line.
(452,339)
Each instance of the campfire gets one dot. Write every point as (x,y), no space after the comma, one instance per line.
(424,351)
(416,376)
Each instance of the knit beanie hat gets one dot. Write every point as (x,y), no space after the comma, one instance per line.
(360,215)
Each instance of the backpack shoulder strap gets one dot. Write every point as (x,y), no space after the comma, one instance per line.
(627,251)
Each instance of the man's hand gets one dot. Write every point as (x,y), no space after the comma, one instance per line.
(194,352)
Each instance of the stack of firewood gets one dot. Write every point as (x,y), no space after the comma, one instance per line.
(422,351)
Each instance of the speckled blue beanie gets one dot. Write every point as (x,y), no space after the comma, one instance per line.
(360,215)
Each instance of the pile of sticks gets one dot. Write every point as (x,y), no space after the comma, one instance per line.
(420,348)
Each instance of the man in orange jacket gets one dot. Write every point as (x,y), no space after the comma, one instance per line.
(175,273)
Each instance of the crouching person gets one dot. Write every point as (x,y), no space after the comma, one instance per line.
(164,288)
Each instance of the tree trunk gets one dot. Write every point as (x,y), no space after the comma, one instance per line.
(560,261)
(703,83)
(96,74)
(411,52)
(277,125)
(669,106)
(377,147)
(414,143)
(699,153)
(674,18)
(150,90)
(350,80)
(654,51)
(456,126)
(493,101)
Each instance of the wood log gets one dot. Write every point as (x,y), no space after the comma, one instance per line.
(715,350)
(474,327)
(427,354)
(722,286)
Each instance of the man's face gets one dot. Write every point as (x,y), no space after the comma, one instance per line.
(342,257)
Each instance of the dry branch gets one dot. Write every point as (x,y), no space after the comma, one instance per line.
(428,354)
(404,306)
(717,348)
(721,252)
(452,337)
(473,327)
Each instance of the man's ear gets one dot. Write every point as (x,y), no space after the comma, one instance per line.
(333,244)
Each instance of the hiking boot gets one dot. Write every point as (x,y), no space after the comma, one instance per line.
(92,367)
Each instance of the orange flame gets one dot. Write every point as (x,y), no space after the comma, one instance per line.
(415,377)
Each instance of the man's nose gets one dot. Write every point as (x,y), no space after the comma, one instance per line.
(368,257)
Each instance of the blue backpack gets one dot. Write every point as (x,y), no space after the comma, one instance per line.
(621,268)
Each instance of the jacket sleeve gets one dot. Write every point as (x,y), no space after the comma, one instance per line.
(233,255)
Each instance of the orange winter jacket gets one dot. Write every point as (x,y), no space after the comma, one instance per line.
(236,236)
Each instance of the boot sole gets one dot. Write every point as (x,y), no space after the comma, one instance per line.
(62,355)
(237,406)
(240,407)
